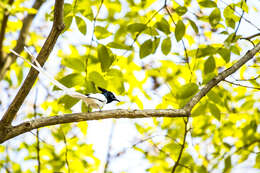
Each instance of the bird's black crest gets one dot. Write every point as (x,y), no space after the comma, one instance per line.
(102,90)
(109,95)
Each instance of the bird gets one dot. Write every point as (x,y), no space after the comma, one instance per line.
(100,99)
(94,101)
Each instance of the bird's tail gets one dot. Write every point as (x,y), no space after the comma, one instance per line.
(39,68)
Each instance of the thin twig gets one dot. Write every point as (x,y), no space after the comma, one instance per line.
(237,84)
(66,150)
(240,19)
(108,157)
(183,44)
(37,133)
(183,145)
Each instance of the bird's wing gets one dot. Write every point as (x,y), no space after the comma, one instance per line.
(96,100)
(99,97)
(39,68)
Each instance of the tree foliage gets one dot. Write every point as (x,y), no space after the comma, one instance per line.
(158,55)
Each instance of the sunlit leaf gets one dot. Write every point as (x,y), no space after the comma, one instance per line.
(81,25)
(136,27)
(102,32)
(186,90)
(207,3)
(166,46)
(163,26)
(181,10)
(209,65)
(214,110)
(146,48)
(214,17)
(117,45)
(179,30)
(105,57)
(97,78)
(194,26)
(71,80)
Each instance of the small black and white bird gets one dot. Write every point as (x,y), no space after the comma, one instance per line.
(98,100)
(94,101)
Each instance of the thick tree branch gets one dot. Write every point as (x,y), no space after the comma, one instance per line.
(221,76)
(56,30)
(7,61)
(13,131)
(3,28)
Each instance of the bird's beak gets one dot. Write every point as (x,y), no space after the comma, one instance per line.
(117,100)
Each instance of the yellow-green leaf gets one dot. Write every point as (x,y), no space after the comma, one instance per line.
(214,17)
(214,110)
(146,48)
(166,46)
(209,65)
(179,30)
(81,24)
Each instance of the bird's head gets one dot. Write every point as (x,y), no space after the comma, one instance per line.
(109,95)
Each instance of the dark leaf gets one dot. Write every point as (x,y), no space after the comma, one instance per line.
(105,57)
(166,46)
(136,27)
(181,10)
(207,3)
(146,48)
(214,17)
(163,26)
(209,65)
(179,30)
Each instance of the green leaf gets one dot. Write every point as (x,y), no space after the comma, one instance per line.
(205,51)
(67,9)
(97,78)
(81,24)
(199,110)
(156,42)
(194,26)
(181,10)
(117,45)
(214,17)
(207,4)
(74,63)
(186,91)
(136,27)
(209,65)
(225,54)
(234,49)
(105,57)
(67,22)
(166,46)
(86,12)
(215,98)
(163,26)
(214,110)
(71,80)
(230,22)
(227,165)
(207,77)
(68,101)
(101,32)
(179,30)
(146,48)
(257,161)
(151,31)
